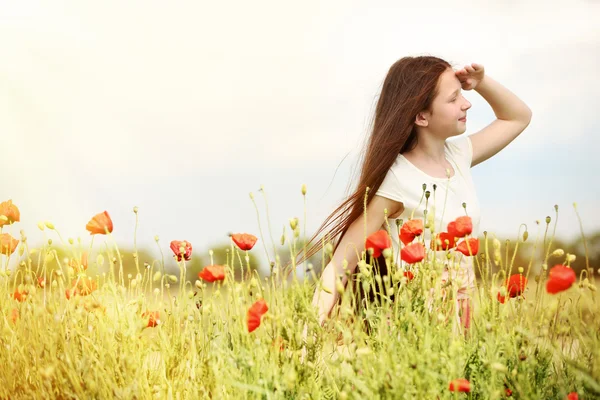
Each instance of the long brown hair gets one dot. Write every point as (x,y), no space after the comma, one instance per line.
(409,87)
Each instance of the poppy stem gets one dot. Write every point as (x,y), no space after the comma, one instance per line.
(260,229)
(556,317)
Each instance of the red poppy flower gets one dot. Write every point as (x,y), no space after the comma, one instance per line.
(212,273)
(100,224)
(153,318)
(413,253)
(501,298)
(573,396)
(447,242)
(378,241)
(176,246)
(20,295)
(10,211)
(8,244)
(244,241)
(461,226)
(560,278)
(515,286)
(255,312)
(409,275)
(463,248)
(508,392)
(460,385)
(411,229)
(81,286)
(14,315)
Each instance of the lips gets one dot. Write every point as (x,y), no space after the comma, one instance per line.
(463,119)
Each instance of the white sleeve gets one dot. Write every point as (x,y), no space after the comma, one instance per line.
(462,150)
(390,187)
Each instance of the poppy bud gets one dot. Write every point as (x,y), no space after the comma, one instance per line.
(558,253)
(293,223)
(303,189)
(496,244)
(548,219)
(135,209)
(387,253)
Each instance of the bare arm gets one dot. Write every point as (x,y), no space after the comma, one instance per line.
(354,241)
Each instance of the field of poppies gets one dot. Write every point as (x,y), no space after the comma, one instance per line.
(79,326)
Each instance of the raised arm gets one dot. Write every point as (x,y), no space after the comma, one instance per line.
(352,243)
(512,114)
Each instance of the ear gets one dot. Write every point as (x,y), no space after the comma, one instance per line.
(421,119)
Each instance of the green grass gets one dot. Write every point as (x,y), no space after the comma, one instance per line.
(540,346)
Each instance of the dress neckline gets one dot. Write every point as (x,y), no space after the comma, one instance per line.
(449,159)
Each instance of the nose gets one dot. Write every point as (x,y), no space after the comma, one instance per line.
(467,105)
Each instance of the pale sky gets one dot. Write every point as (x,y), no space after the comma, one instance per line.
(184,108)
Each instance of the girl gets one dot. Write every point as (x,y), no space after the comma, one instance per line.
(421,106)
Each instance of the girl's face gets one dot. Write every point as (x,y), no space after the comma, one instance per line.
(449,108)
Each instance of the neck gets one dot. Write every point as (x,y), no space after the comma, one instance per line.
(431,148)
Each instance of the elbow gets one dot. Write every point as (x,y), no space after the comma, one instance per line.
(526,118)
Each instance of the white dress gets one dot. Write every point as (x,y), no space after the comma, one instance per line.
(404,183)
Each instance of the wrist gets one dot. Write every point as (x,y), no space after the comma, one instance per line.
(482,84)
